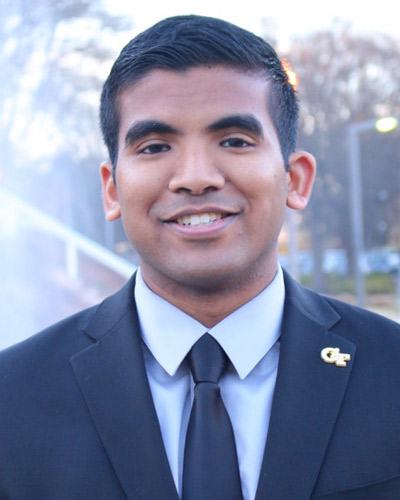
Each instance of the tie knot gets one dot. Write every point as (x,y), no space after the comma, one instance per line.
(207,360)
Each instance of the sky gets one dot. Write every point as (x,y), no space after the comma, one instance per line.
(281,20)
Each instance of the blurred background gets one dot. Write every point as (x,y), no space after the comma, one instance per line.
(57,253)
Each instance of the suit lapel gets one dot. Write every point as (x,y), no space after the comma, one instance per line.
(112,377)
(307,397)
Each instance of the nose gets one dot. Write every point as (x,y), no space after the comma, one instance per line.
(196,172)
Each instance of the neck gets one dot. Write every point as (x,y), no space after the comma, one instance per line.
(212,303)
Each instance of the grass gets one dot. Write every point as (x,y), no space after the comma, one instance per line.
(375,284)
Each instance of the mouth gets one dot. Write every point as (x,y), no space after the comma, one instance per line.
(202,219)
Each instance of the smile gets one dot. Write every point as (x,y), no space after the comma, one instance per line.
(202,219)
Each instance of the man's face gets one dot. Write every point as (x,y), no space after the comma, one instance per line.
(200,180)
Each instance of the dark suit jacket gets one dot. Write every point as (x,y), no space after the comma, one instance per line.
(77,419)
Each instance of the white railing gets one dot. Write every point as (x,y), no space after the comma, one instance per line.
(74,241)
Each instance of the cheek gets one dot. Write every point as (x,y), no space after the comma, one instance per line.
(265,187)
(137,191)
(266,205)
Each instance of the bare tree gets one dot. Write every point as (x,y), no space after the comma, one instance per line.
(54,56)
(346,77)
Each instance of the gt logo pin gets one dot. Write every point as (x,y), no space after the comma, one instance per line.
(333,355)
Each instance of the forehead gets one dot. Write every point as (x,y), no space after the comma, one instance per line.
(199,94)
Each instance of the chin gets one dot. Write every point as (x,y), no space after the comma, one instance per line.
(213,279)
(204,275)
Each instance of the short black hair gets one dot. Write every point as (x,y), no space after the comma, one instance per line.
(183,42)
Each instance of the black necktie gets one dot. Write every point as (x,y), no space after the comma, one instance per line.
(210,469)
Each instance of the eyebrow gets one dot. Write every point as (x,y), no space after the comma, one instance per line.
(143,128)
(246,122)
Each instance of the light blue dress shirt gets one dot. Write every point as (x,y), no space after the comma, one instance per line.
(249,336)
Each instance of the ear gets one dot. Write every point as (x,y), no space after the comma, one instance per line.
(300,179)
(111,204)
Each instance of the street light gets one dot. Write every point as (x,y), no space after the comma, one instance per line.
(357,219)
(387,124)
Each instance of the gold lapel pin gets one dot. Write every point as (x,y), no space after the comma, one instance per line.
(333,355)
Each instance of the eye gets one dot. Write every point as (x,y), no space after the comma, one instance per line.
(155,148)
(235,142)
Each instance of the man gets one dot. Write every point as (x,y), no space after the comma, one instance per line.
(200,123)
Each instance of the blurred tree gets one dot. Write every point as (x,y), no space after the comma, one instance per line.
(346,77)
(54,56)
(381,188)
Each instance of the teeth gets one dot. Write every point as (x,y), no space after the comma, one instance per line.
(199,219)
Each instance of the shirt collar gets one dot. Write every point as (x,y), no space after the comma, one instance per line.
(246,335)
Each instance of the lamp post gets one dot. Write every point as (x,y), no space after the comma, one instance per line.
(355,180)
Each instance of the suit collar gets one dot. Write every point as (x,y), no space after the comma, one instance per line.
(113,380)
(307,397)
(309,303)
(110,312)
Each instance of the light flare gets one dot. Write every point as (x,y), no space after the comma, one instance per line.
(292,77)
